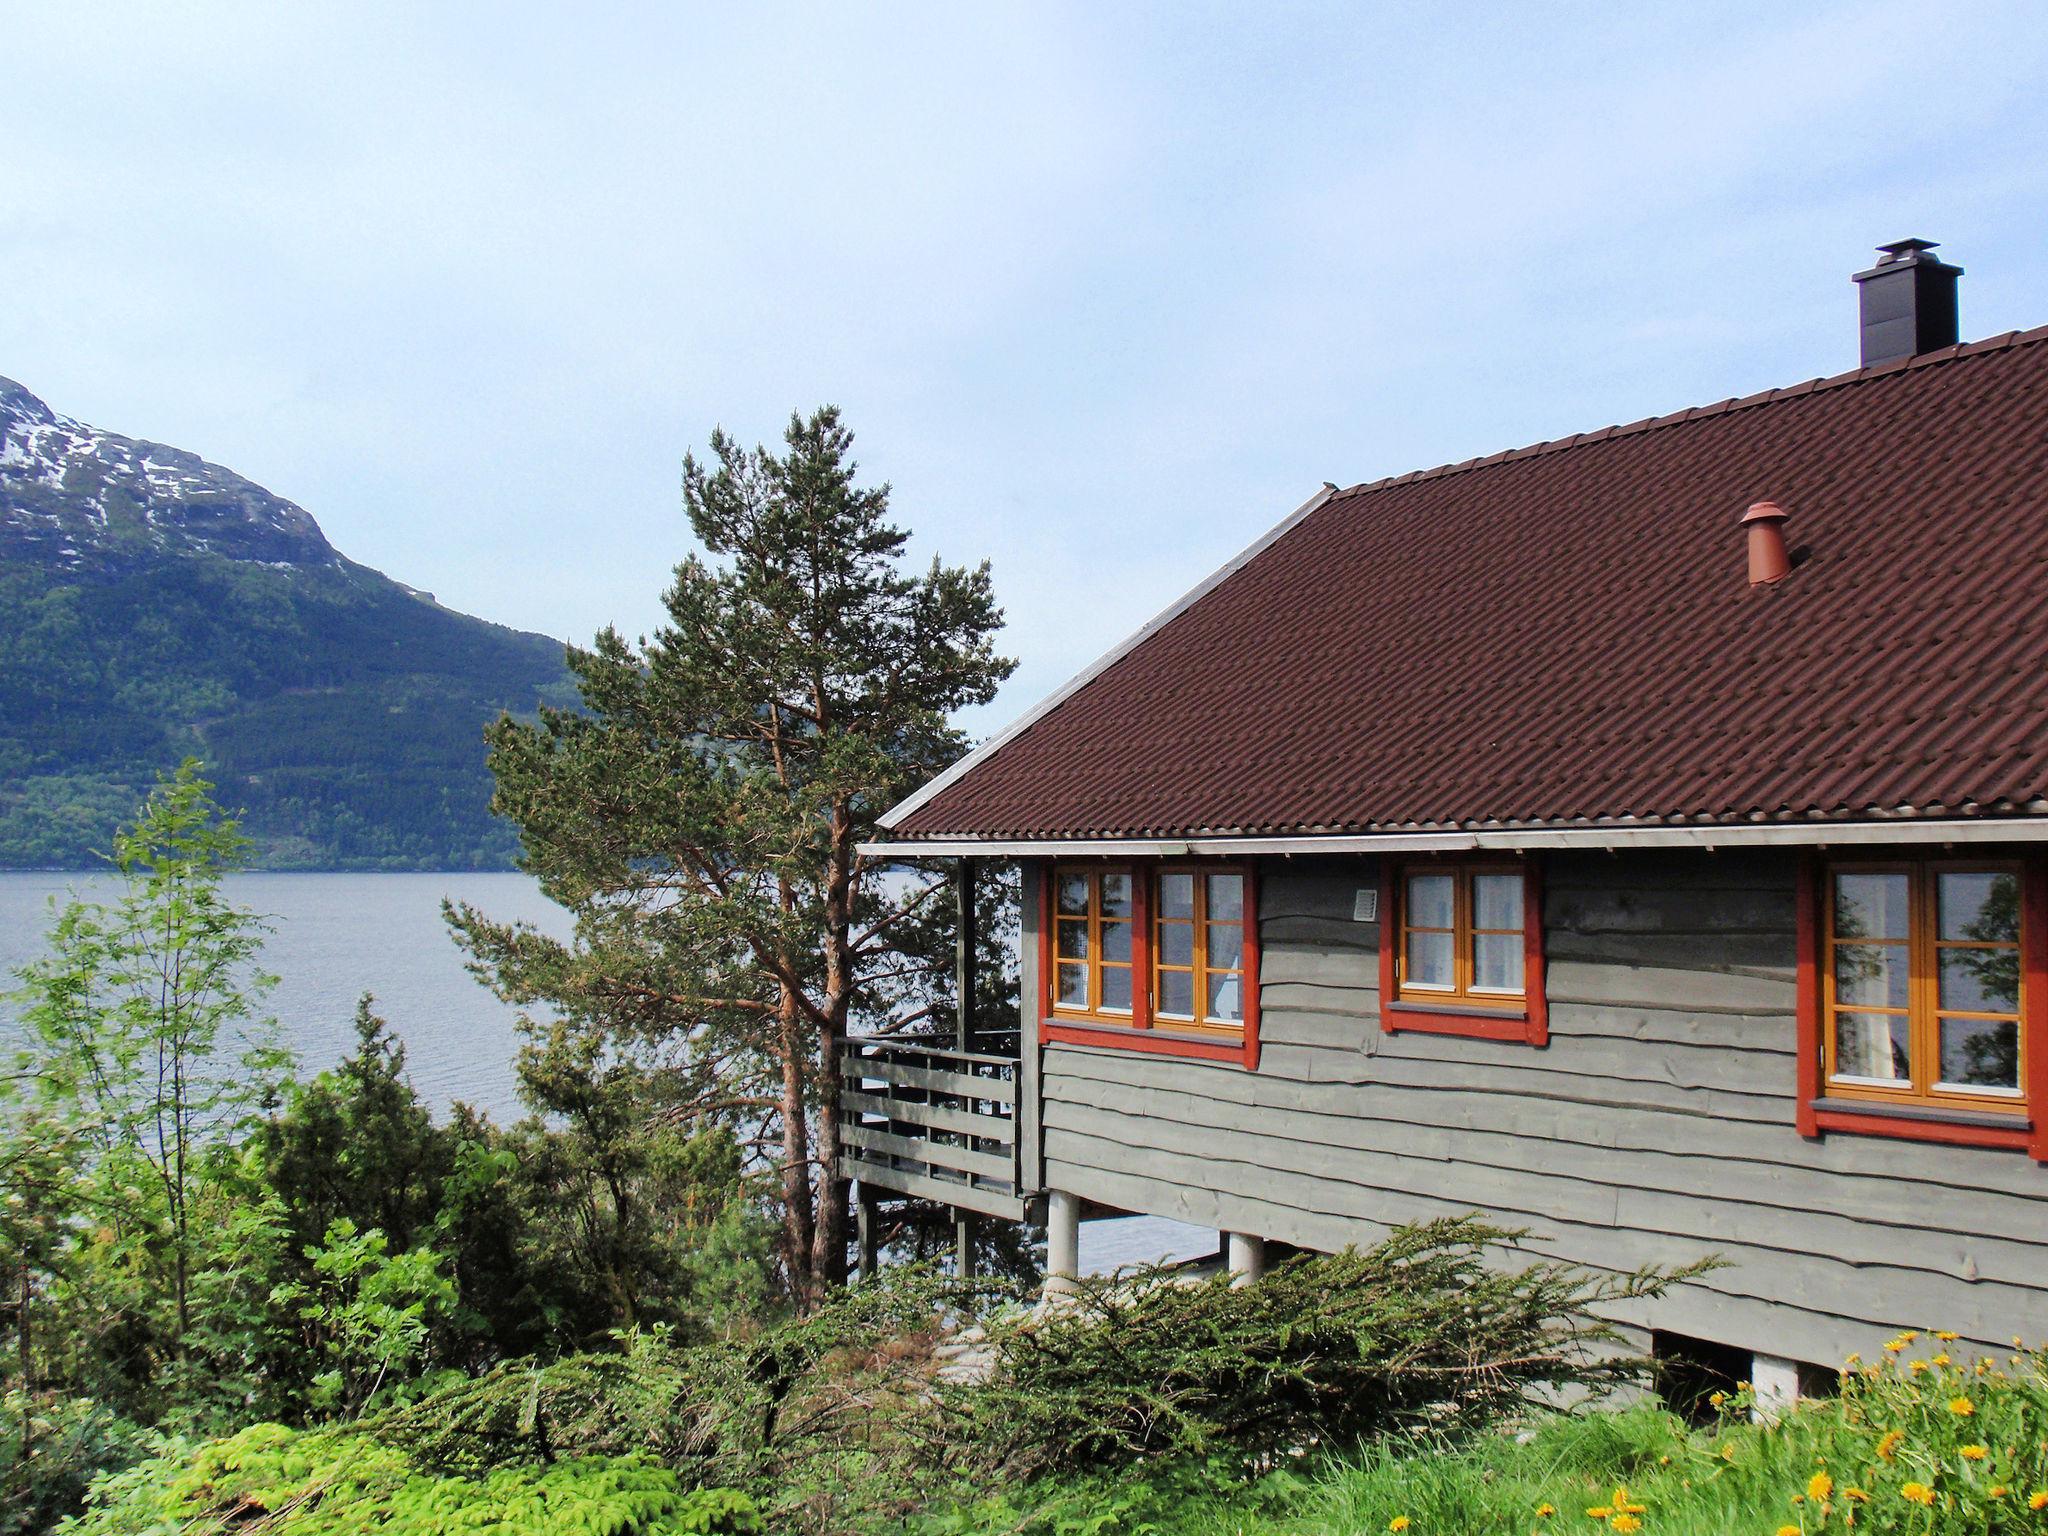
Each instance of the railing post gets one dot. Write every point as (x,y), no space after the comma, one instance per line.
(963,1038)
(867,1223)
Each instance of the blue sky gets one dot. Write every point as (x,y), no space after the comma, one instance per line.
(1105,290)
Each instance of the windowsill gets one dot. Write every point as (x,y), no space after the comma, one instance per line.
(1461,1007)
(1121,1034)
(1923,1122)
(1511,1025)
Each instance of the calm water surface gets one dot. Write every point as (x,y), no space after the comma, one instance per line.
(335,937)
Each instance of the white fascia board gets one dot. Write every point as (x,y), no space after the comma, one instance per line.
(1806,834)
(1088,674)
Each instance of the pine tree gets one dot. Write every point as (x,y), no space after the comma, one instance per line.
(700,815)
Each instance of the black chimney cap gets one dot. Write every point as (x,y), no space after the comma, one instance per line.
(1908,303)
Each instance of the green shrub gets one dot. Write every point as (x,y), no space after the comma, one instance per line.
(281,1482)
(51,1449)
(1422,1332)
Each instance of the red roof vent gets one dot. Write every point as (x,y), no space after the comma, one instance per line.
(1769,561)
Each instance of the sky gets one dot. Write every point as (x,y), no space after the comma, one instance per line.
(1105,290)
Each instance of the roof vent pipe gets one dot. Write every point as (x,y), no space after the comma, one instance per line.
(1906,303)
(1769,561)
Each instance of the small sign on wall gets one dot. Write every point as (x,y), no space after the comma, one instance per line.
(1365,906)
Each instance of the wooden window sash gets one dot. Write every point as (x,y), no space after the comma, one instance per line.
(1923,948)
(1199,970)
(1463,993)
(1096,961)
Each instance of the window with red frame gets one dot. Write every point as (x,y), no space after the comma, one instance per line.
(1161,958)
(1461,949)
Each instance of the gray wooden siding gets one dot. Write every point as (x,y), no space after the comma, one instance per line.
(1657,1127)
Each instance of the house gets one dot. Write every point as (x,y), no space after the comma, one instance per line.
(1640,838)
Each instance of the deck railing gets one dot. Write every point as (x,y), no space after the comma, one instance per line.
(926,1120)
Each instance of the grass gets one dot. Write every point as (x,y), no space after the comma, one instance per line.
(1916,1444)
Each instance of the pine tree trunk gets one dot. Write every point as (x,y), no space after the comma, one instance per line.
(798,1229)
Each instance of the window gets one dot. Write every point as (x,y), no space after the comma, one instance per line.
(1920,999)
(1198,950)
(1156,959)
(1461,950)
(1094,916)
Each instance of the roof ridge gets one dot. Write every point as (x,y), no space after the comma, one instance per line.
(2002,342)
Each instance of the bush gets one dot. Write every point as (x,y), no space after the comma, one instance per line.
(51,1449)
(282,1482)
(1420,1332)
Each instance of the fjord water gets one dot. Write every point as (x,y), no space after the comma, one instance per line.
(336,936)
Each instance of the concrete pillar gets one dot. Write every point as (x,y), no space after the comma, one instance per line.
(1774,1382)
(1247,1257)
(1062,1241)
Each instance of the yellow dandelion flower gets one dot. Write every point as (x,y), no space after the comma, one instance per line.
(1857,1494)
(1853,1360)
(1788,1530)
(1716,1399)
(1624,1523)
(2038,1499)
(1545,1511)
(1798,1499)
(1942,1359)
(1917,1493)
(1727,1453)
(1947,1335)
(1961,1407)
(1976,1452)
(1996,1491)
(1599,1512)
(1893,1346)
(1819,1486)
(1398,1523)
(1919,1367)
(1623,1506)
(1892,1440)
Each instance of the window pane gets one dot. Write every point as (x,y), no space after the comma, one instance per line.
(1177,993)
(1116,895)
(1226,946)
(1176,895)
(1176,943)
(1980,980)
(1981,906)
(1072,894)
(1116,986)
(1226,896)
(1073,940)
(1429,901)
(1873,1045)
(1497,901)
(1073,989)
(1870,975)
(1429,960)
(1870,906)
(1497,962)
(1978,1053)
(1116,941)
(1224,995)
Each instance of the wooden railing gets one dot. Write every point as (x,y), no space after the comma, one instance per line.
(933,1122)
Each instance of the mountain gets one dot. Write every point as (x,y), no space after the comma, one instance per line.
(154,606)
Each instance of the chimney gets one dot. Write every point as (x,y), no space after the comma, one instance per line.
(1769,562)
(1908,303)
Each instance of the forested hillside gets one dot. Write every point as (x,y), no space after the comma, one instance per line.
(154,606)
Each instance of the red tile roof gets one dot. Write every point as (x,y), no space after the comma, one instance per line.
(1566,632)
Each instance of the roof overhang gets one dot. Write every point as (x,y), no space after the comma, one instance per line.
(1802,834)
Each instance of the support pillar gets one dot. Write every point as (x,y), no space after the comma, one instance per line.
(1062,1241)
(867,1226)
(1247,1258)
(1774,1382)
(964,945)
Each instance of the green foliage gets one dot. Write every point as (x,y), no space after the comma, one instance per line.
(342,712)
(1809,1470)
(365,1313)
(145,1060)
(277,1482)
(701,815)
(51,1450)
(1423,1330)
